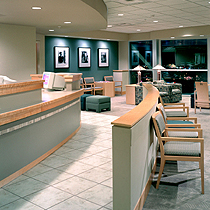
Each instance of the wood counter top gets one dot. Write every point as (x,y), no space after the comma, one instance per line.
(19,87)
(135,115)
(50,99)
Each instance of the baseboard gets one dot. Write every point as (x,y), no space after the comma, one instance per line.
(119,92)
(35,162)
(142,199)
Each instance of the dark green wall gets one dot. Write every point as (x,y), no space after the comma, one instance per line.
(73,43)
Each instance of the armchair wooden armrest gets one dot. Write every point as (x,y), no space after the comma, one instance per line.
(183,125)
(199,130)
(165,139)
(183,118)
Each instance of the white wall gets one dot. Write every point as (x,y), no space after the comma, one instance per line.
(123,56)
(41,57)
(17,51)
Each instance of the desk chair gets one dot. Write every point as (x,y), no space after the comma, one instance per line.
(117,85)
(178,148)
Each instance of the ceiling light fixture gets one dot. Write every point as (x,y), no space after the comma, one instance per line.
(36,8)
(201,35)
(172,37)
(138,29)
(186,35)
(155,21)
(180,26)
(120,14)
(109,26)
(108,39)
(67,22)
(51,30)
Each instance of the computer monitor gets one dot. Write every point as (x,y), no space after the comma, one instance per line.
(53,81)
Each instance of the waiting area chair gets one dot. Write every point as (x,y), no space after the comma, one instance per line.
(178,148)
(201,95)
(89,81)
(118,84)
(86,88)
(187,121)
(175,109)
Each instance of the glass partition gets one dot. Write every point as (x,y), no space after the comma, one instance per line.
(141,54)
(184,54)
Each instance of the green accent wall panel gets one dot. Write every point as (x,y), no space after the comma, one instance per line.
(74,43)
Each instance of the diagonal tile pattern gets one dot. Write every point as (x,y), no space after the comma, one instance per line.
(78,176)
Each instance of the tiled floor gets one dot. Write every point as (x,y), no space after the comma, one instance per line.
(78,176)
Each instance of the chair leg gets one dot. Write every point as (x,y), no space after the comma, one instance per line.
(162,164)
(202,178)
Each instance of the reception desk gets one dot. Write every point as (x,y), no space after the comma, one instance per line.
(36,128)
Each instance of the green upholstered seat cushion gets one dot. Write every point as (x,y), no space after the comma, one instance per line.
(178,122)
(176,114)
(182,148)
(183,134)
(98,99)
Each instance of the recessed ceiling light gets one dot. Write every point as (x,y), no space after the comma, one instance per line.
(109,26)
(120,14)
(51,30)
(172,37)
(138,29)
(201,35)
(155,21)
(187,35)
(180,26)
(36,8)
(67,22)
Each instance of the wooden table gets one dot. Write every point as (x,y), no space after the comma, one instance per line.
(109,87)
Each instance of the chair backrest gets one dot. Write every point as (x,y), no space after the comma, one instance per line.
(109,78)
(89,80)
(158,123)
(202,91)
(162,111)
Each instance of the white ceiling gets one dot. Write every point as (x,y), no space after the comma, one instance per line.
(140,14)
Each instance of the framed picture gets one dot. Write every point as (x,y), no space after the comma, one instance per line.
(61,57)
(135,57)
(84,57)
(103,57)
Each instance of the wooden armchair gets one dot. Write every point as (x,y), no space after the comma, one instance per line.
(178,148)
(118,84)
(89,81)
(172,109)
(187,121)
(201,95)
(86,87)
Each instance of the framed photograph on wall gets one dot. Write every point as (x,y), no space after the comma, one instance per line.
(61,57)
(103,57)
(135,57)
(84,57)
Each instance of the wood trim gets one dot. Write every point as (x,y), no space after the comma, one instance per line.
(145,192)
(19,87)
(18,114)
(38,160)
(120,70)
(135,115)
(119,92)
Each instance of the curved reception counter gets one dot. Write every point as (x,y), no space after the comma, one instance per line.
(134,147)
(33,124)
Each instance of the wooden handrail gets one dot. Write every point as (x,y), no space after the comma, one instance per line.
(135,115)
